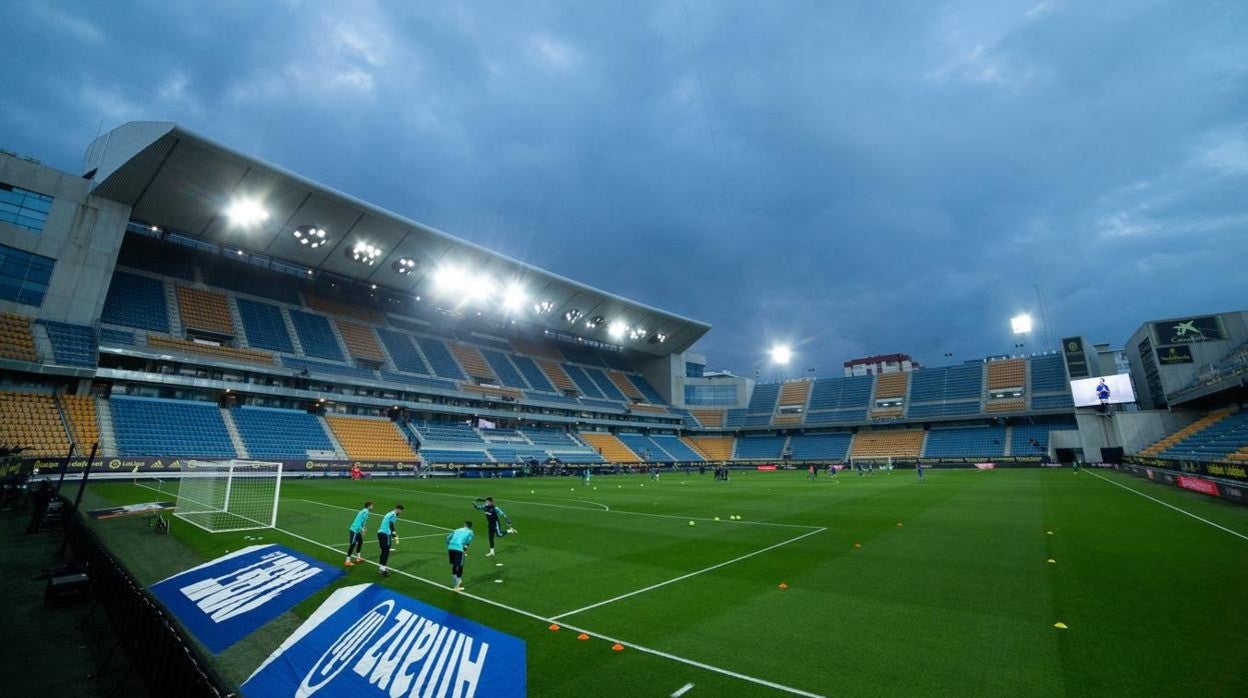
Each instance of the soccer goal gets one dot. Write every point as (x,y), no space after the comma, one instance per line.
(233,495)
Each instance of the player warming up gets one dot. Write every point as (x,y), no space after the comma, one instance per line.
(387,536)
(355,542)
(457,543)
(492,515)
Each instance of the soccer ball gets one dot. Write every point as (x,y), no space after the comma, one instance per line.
(692,523)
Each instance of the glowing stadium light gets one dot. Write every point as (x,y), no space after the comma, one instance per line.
(617,329)
(595,322)
(543,307)
(310,236)
(572,316)
(514,298)
(636,333)
(1021,324)
(781,354)
(363,253)
(404,266)
(450,279)
(246,212)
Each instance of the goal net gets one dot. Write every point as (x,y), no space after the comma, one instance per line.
(233,495)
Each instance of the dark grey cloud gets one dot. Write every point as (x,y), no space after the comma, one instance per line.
(853,179)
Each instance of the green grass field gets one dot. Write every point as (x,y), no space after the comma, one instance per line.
(951,592)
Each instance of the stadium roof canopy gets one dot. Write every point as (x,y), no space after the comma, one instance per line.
(183,181)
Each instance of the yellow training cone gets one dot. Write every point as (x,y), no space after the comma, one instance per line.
(1051,561)
(1050,533)
(1059,625)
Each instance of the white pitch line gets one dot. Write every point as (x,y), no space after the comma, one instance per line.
(682,690)
(687,576)
(607,638)
(411,521)
(1167,504)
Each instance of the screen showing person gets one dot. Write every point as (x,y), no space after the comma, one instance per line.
(1102,390)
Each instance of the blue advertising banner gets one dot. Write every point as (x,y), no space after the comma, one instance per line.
(222,601)
(366,640)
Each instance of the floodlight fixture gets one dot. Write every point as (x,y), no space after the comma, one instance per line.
(572,316)
(781,354)
(404,266)
(364,253)
(514,298)
(617,329)
(246,212)
(310,236)
(1021,324)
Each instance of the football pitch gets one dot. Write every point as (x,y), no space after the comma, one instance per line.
(878,585)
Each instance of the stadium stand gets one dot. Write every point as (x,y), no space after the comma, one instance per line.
(760,447)
(352,310)
(136,301)
(111,335)
(72,345)
(581,355)
(1033,439)
(605,385)
(1169,440)
(734,418)
(326,368)
(712,447)
(241,278)
(16,340)
(370,438)
(402,352)
(891,385)
(948,383)
(443,433)
(263,326)
(1005,406)
(792,419)
(208,311)
(1048,374)
(419,381)
(833,446)
(473,362)
(708,418)
(255,356)
(440,358)
(897,443)
(956,442)
(943,409)
(839,400)
(503,368)
(148,426)
(794,394)
(541,350)
(1008,373)
(315,335)
(33,422)
(644,447)
(676,446)
(84,423)
(612,449)
(271,433)
(652,396)
(1214,437)
(583,383)
(492,391)
(457,456)
(1052,402)
(551,438)
(360,341)
(764,398)
(535,376)
(626,386)
(557,376)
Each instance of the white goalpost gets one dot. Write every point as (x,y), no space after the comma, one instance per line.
(233,495)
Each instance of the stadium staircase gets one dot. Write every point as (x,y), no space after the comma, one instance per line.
(43,343)
(240,332)
(235,438)
(1009,441)
(290,330)
(1190,430)
(171,308)
(108,436)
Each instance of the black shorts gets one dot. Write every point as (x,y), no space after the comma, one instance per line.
(456,557)
(353,537)
(383,540)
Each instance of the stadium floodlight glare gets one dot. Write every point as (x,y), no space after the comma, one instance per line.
(781,354)
(1021,324)
(637,333)
(404,266)
(514,298)
(310,236)
(450,279)
(595,322)
(616,329)
(246,212)
(572,316)
(479,287)
(543,307)
(363,253)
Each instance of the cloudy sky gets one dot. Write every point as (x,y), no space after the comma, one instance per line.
(851,178)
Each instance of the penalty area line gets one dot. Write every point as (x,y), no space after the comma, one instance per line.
(606,638)
(683,577)
(1167,504)
(411,521)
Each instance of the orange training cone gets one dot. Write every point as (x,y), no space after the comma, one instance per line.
(554,627)
(783,585)
(617,647)
(582,636)
(857,545)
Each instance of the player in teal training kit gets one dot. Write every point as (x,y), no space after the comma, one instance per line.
(386,537)
(356,540)
(457,543)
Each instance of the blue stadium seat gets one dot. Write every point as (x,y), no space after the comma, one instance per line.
(756,447)
(400,348)
(841,393)
(644,447)
(852,416)
(136,301)
(948,383)
(677,448)
(965,442)
(440,358)
(821,446)
(169,428)
(264,326)
(72,345)
(315,335)
(582,381)
(419,381)
(1214,442)
(1048,374)
(551,438)
(109,335)
(1021,436)
(943,409)
(323,367)
(271,433)
(532,374)
(602,404)
(652,395)
(446,455)
(605,385)
(1052,402)
(504,369)
(764,397)
(442,433)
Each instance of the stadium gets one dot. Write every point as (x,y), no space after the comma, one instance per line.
(244,355)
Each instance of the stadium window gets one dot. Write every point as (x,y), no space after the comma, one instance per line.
(24,208)
(24,276)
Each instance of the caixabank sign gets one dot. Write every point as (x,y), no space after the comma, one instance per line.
(367,641)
